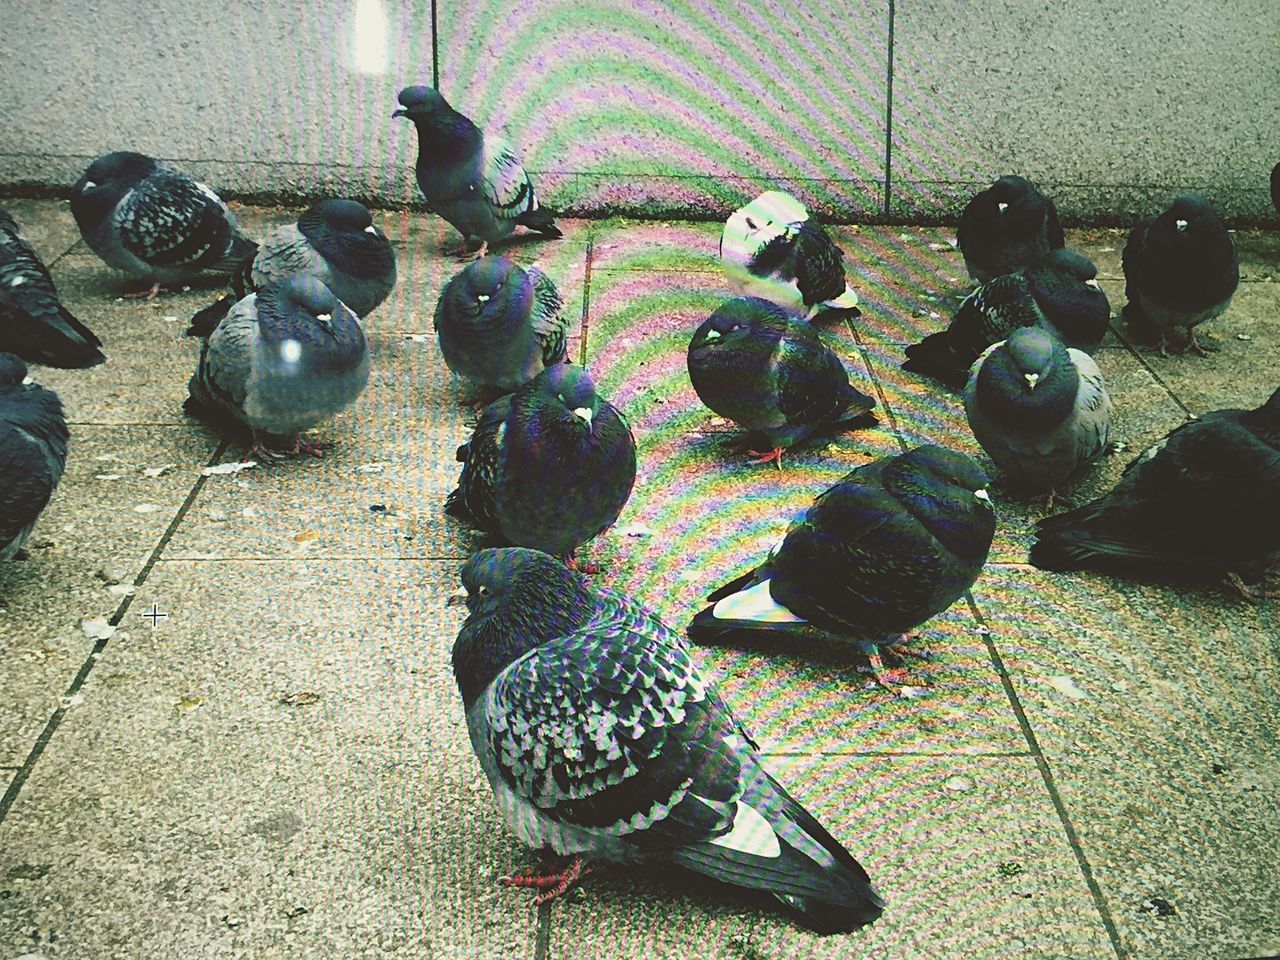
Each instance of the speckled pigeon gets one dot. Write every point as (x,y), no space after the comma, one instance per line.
(601,741)
(1039,409)
(1199,505)
(1006,227)
(894,543)
(1180,270)
(772,249)
(500,325)
(33,322)
(1058,293)
(549,466)
(473,180)
(755,364)
(282,360)
(155,222)
(334,241)
(33,451)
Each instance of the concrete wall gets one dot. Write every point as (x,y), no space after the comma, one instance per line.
(866,109)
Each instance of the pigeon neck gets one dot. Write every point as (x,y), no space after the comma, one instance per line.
(450,138)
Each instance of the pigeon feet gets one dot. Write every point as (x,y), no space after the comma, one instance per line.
(774,456)
(585,567)
(1249,592)
(148,294)
(550,879)
(892,679)
(1201,349)
(310,447)
(465,253)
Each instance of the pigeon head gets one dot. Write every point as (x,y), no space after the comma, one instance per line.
(1190,213)
(103,185)
(342,214)
(489,283)
(420,103)
(517,599)
(13,370)
(734,322)
(568,389)
(947,492)
(762,221)
(1190,235)
(1028,383)
(343,232)
(1009,191)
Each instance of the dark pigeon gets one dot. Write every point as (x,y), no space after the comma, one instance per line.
(894,543)
(601,741)
(282,360)
(500,325)
(154,222)
(1275,188)
(1040,410)
(474,181)
(1058,293)
(769,372)
(1006,227)
(772,249)
(1180,269)
(33,322)
(33,451)
(334,241)
(1198,506)
(549,466)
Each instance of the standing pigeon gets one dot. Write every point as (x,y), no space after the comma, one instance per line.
(755,364)
(771,249)
(334,241)
(894,543)
(33,322)
(601,741)
(499,325)
(33,451)
(474,181)
(282,360)
(1006,227)
(1039,409)
(150,220)
(1199,505)
(1058,293)
(549,466)
(1180,269)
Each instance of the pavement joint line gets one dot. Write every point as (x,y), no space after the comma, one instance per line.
(584,322)
(314,557)
(542,933)
(1042,762)
(37,750)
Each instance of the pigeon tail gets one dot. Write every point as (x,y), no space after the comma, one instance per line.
(455,505)
(240,250)
(206,321)
(74,351)
(542,220)
(934,357)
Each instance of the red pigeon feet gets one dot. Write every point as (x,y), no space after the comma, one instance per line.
(148,294)
(773,456)
(465,253)
(549,878)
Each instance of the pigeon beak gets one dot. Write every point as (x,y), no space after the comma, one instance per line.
(1181,225)
(713,335)
(457,598)
(1095,284)
(1002,207)
(982,495)
(1032,380)
(584,414)
(371,229)
(88,185)
(482,297)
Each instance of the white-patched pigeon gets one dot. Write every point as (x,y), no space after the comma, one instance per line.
(1006,227)
(602,742)
(33,451)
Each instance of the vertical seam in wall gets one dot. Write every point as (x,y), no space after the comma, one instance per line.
(585,322)
(888,118)
(435,48)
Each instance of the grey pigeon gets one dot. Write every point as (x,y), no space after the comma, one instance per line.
(1180,269)
(1006,227)
(602,742)
(1198,505)
(33,451)
(499,325)
(1058,293)
(33,322)
(549,466)
(894,543)
(334,241)
(155,222)
(1039,409)
(282,360)
(473,180)
(772,249)
(755,364)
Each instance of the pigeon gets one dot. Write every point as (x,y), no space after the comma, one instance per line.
(474,181)
(334,241)
(33,451)
(33,322)
(549,466)
(1275,188)
(755,364)
(602,742)
(1197,506)
(150,220)
(282,360)
(1039,409)
(500,326)
(772,249)
(1006,227)
(1059,293)
(893,543)
(1180,269)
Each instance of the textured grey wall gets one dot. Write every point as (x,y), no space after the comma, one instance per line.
(866,109)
